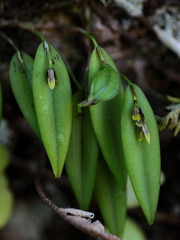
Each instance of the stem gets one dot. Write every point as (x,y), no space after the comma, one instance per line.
(95,229)
(38,34)
(88,35)
(72,74)
(95,44)
(9,40)
(126,79)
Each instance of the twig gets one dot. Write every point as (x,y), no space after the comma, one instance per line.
(77,218)
(166,37)
(131,8)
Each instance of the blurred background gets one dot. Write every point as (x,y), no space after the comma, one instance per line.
(143,38)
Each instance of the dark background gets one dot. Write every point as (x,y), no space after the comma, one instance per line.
(138,53)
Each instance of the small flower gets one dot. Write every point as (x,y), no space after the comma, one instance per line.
(138,118)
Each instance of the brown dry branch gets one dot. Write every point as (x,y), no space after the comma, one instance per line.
(75,217)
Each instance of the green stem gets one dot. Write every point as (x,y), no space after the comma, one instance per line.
(72,75)
(126,79)
(89,36)
(93,40)
(85,80)
(38,34)
(9,40)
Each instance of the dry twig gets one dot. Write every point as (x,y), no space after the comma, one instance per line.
(77,218)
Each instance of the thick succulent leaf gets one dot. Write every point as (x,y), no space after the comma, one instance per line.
(142,158)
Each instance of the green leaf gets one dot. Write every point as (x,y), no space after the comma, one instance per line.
(81,160)
(53,106)
(132,231)
(20,74)
(6,201)
(111,199)
(142,158)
